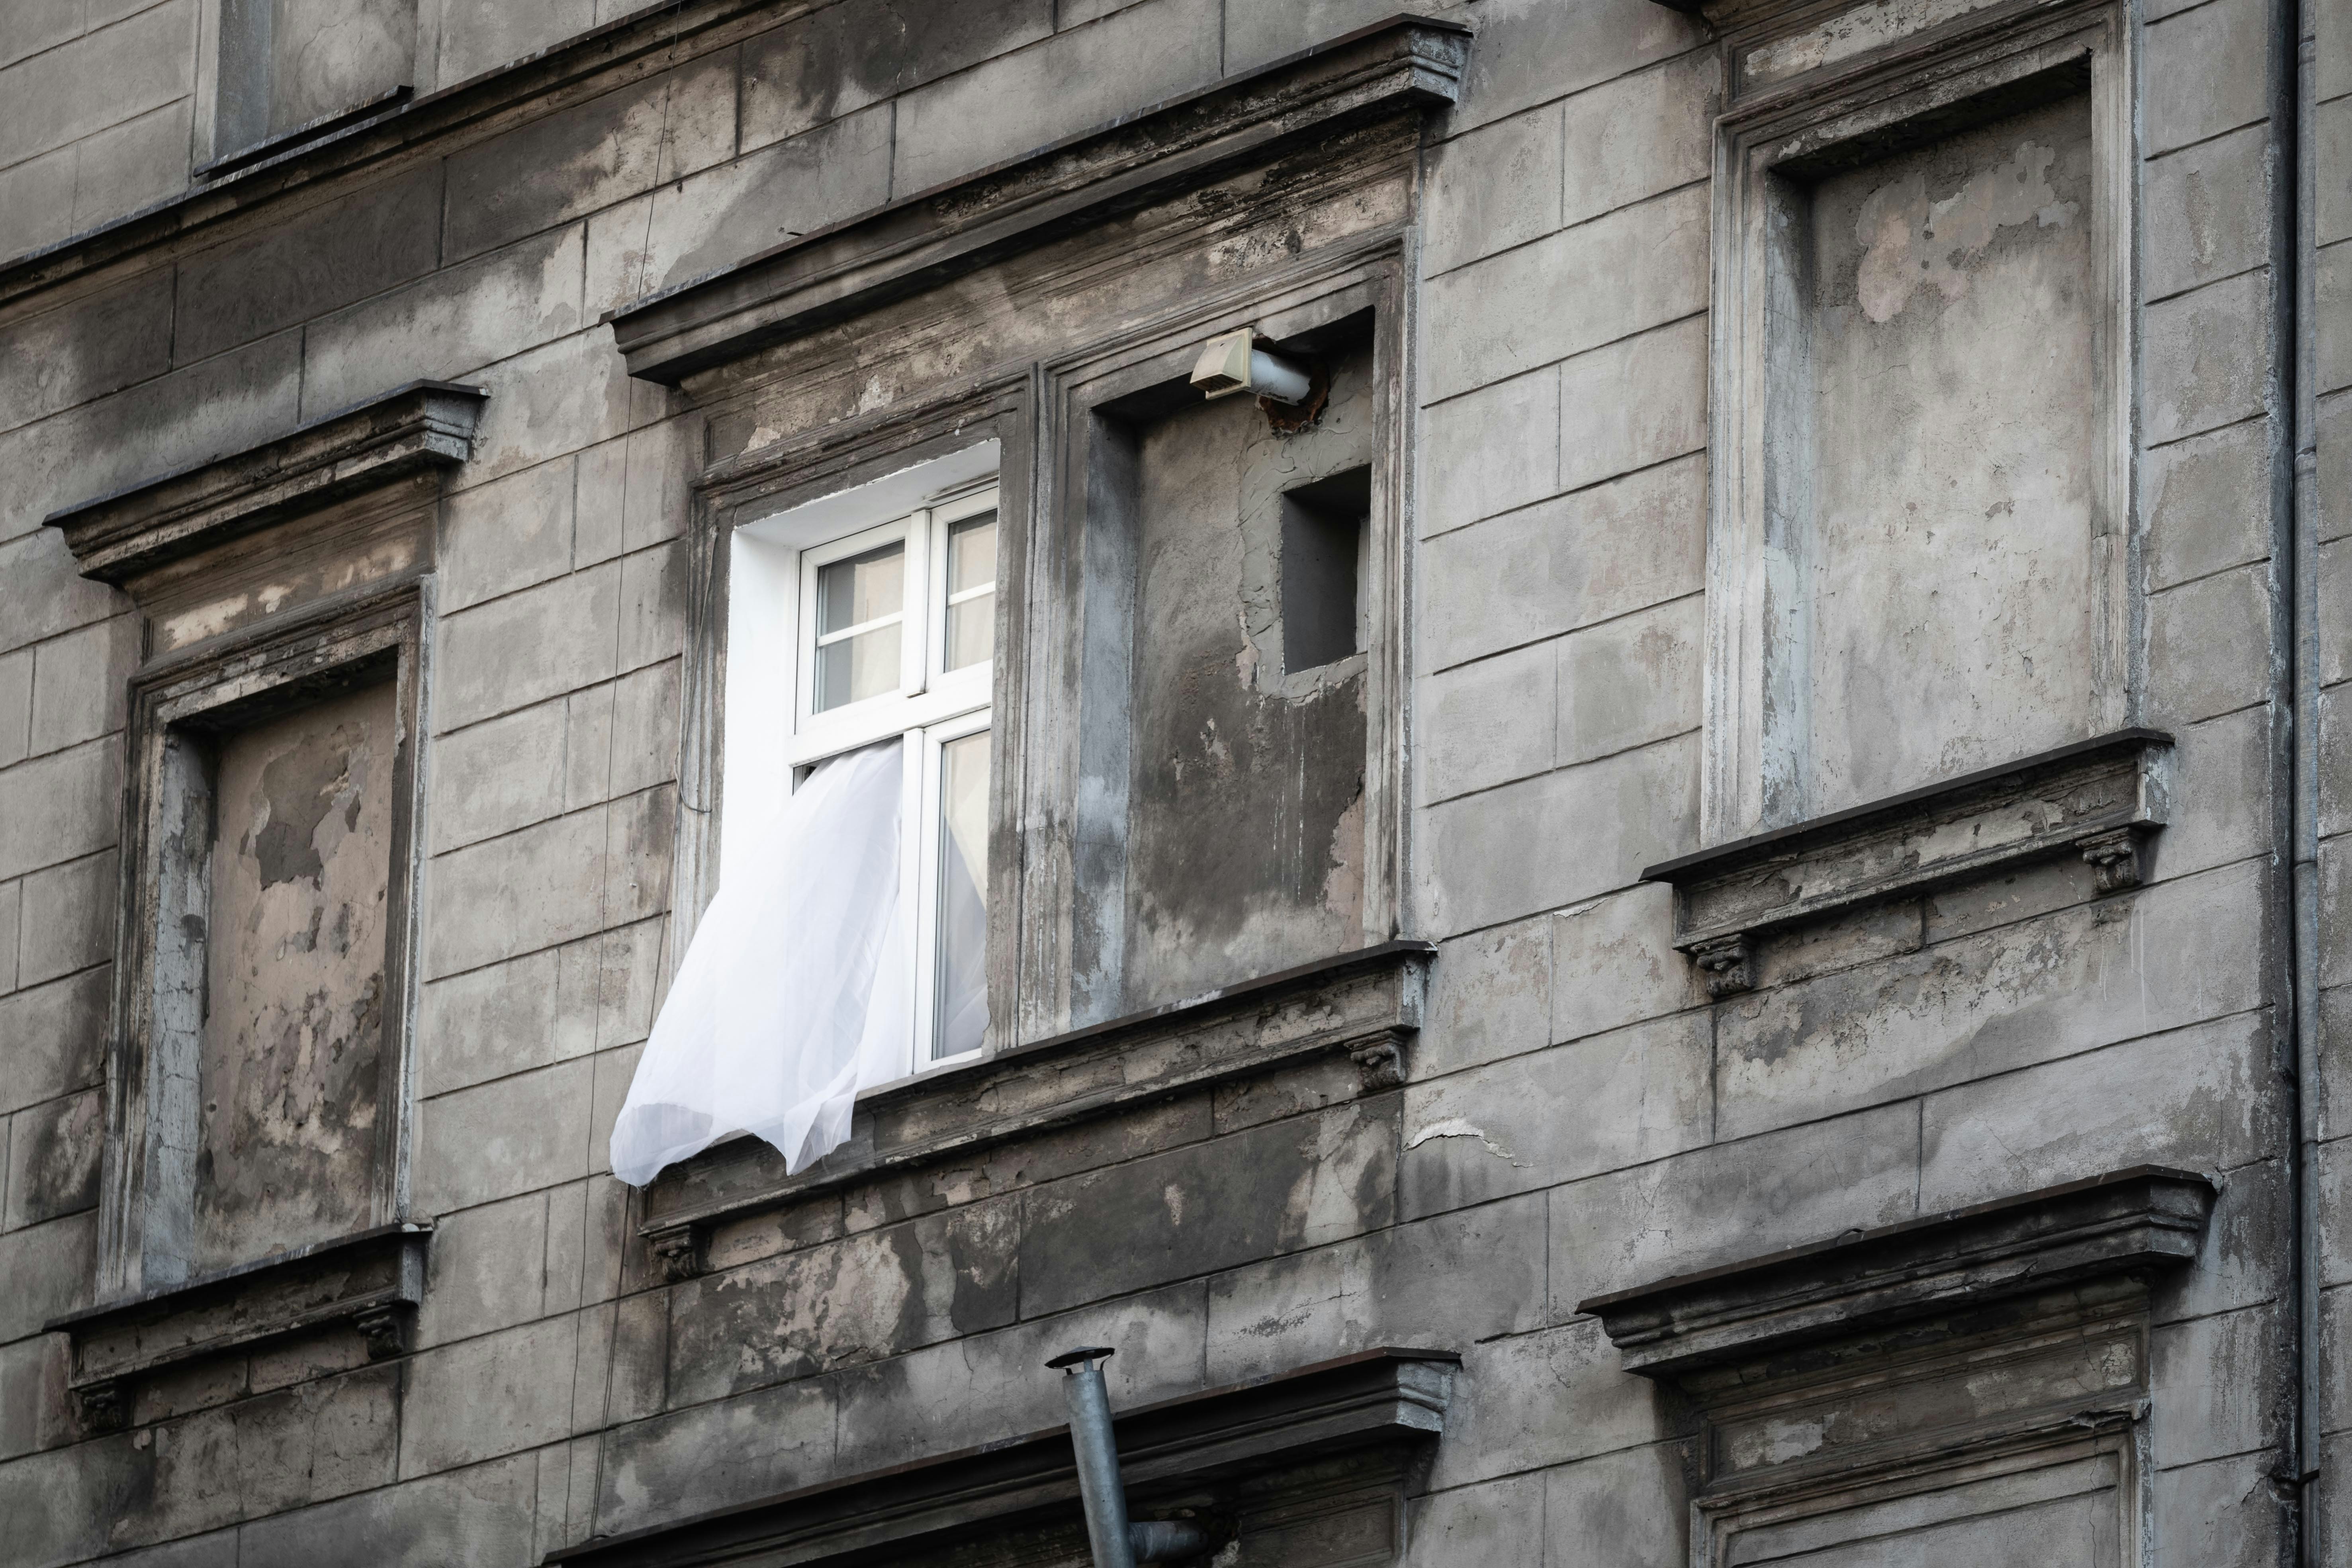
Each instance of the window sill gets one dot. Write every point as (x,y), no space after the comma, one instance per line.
(1364,1004)
(2099,799)
(370,1281)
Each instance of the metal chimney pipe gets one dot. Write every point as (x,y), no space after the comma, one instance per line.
(1116,1543)
(1090,1435)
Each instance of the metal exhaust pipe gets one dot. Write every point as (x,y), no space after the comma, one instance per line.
(1116,1543)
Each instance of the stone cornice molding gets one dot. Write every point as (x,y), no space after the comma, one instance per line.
(2098,798)
(1366,1004)
(1403,64)
(372,1282)
(424,425)
(2133,1221)
(650,41)
(1377,1399)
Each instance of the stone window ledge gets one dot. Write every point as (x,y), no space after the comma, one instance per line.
(422,426)
(1404,64)
(370,1281)
(2128,1222)
(1377,1405)
(2099,798)
(1365,1004)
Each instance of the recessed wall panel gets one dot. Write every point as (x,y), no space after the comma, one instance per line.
(1944,523)
(295,984)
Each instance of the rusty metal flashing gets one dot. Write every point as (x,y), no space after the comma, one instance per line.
(2137,1220)
(2098,798)
(1366,1003)
(423,425)
(1377,1401)
(1403,65)
(370,1281)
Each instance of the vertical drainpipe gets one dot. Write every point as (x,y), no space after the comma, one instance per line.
(2295,232)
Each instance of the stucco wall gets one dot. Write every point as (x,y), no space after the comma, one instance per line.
(1579,1116)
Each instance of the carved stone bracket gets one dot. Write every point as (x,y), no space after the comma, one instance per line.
(1362,1006)
(1724,960)
(2133,1221)
(102,1407)
(2100,799)
(369,1283)
(678,1248)
(2115,858)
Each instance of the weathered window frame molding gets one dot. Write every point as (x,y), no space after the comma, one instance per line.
(1812,118)
(159,539)
(1071,600)
(2115,1432)
(1363,1419)
(2050,1288)
(710,336)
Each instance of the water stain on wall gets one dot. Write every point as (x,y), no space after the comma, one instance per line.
(294,1023)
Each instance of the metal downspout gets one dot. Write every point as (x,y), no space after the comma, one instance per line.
(2296,229)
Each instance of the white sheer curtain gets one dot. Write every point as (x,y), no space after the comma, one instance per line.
(793,994)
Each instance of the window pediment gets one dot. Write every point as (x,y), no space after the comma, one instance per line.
(1400,66)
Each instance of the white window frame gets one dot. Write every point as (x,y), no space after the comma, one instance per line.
(774,734)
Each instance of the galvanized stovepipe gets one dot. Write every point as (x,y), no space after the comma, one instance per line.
(1117,1541)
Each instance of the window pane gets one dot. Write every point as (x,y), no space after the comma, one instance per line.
(972,573)
(972,553)
(855,669)
(963,897)
(865,588)
(862,588)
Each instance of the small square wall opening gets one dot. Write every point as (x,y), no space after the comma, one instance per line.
(1322,569)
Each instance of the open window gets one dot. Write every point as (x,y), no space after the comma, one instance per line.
(846,944)
(893,631)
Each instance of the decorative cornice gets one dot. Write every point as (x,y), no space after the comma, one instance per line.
(424,425)
(370,1281)
(2097,798)
(1378,1399)
(650,41)
(1403,65)
(2144,1218)
(1365,1004)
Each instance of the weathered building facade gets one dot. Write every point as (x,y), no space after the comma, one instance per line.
(1692,914)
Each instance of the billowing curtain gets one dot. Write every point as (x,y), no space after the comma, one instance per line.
(793,994)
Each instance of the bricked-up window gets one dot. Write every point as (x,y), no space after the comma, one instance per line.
(281,65)
(1921,374)
(269,943)
(288,1069)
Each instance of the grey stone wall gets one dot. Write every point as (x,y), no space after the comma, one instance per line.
(1579,1116)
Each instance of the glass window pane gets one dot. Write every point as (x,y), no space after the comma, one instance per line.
(971,632)
(972,553)
(971,571)
(855,669)
(962,1012)
(862,588)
